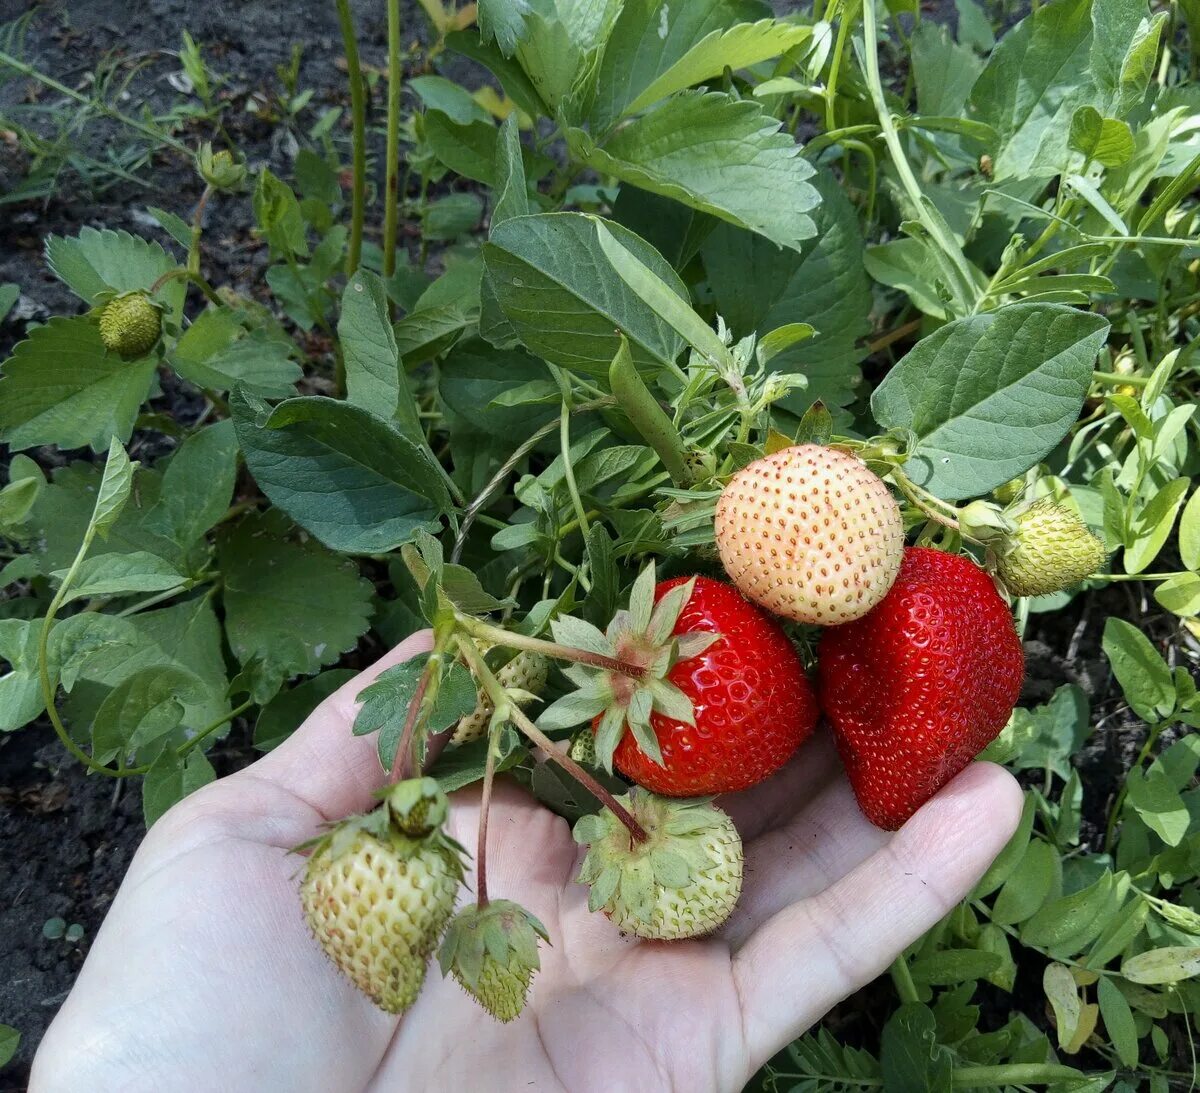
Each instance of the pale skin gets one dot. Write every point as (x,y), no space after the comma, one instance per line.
(205,977)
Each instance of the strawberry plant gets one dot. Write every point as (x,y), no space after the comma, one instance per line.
(732,350)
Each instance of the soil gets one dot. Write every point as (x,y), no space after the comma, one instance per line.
(66,839)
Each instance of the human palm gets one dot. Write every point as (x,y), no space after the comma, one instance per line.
(203,975)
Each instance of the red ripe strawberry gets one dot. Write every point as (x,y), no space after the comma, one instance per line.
(919,686)
(753,703)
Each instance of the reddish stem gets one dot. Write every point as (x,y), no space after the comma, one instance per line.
(485,803)
(404,752)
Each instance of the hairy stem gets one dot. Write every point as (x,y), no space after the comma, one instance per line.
(497,635)
(485,805)
(404,750)
(358,114)
(391,189)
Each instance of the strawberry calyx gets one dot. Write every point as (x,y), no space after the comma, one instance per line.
(492,951)
(640,638)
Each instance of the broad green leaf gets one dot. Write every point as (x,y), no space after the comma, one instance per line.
(503,21)
(219,352)
(197,485)
(761,287)
(1137,66)
(280,717)
(910,1055)
(375,379)
(453,215)
(426,332)
(1159,805)
(911,266)
(1035,880)
(564,299)
(1063,995)
(292,604)
(1180,594)
(989,395)
(1106,140)
(502,65)
(93,263)
(18,497)
(942,69)
(115,486)
(651,37)
(1118,1021)
(1047,736)
(1153,525)
(170,779)
(10,1040)
(121,574)
(467,148)
(716,154)
(279,217)
(353,480)
(1010,857)
(1068,920)
(77,638)
(1169,964)
(737,47)
(143,707)
(62,387)
(473,378)
(1141,671)
(20,688)
(438,93)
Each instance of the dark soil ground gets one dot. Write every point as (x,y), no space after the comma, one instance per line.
(66,840)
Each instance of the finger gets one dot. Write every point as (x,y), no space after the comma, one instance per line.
(821,949)
(775,801)
(823,841)
(322,762)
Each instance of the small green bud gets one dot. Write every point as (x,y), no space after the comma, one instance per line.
(1050,550)
(130,325)
(418,806)
(1009,491)
(221,170)
(984,522)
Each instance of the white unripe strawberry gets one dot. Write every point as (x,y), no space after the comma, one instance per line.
(810,533)
(525,672)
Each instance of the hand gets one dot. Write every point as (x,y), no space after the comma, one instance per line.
(203,976)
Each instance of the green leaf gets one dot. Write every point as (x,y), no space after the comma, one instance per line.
(1118,1021)
(375,379)
(293,605)
(503,21)
(1160,806)
(737,47)
(716,154)
(353,480)
(759,286)
(20,689)
(115,486)
(438,93)
(10,1040)
(1069,921)
(467,148)
(564,299)
(910,1055)
(512,193)
(951,966)
(219,352)
(120,574)
(9,295)
(62,387)
(1029,886)
(651,37)
(18,497)
(989,395)
(453,215)
(1153,524)
(1106,140)
(197,485)
(942,69)
(1010,857)
(1063,996)
(461,766)
(78,638)
(1180,594)
(473,378)
(279,217)
(1189,533)
(143,707)
(1169,964)
(284,714)
(1049,735)
(170,779)
(94,263)
(1143,674)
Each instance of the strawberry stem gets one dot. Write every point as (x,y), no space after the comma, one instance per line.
(931,506)
(495,691)
(485,804)
(497,635)
(404,751)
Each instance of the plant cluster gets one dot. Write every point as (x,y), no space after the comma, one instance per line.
(923,381)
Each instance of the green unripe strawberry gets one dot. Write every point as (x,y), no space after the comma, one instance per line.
(682,881)
(377,901)
(583,748)
(525,672)
(130,325)
(492,952)
(1050,550)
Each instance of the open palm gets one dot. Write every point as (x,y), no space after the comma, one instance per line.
(204,977)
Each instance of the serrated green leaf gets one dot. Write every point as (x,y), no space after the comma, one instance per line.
(910,1055)
(292,604)
(62,387)
(989,395)
(170,779)
(716,154)
(144,706)
(94,263)
(219,351)
(197,485)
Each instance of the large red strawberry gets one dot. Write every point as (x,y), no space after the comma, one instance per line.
(753,703)
(920,685)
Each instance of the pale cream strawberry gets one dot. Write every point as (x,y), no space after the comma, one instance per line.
(811,533)
(525,672)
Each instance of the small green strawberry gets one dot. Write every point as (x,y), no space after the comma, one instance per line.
(493,952)
(1050,550)
(130,325)
(526,672)
(377,899)
(682,881)
(583,748)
